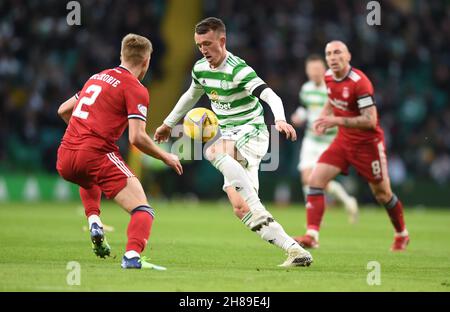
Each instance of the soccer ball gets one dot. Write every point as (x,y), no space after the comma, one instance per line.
(200,124)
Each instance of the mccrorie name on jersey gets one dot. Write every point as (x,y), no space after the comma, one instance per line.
(100,116)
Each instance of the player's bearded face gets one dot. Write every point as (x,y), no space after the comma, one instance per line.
(212,46)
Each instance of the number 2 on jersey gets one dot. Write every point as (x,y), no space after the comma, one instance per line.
(94,91)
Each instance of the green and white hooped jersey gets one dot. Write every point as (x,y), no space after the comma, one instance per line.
(314,98)
(229,88)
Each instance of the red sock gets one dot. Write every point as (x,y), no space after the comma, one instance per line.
(139,230)
(394,209)
(315,207)
(91,200)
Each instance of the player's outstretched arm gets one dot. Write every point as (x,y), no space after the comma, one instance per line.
(139,138)
(184,104)
(66,108)
(276,105)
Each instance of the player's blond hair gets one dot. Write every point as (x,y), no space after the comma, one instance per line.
(135,49)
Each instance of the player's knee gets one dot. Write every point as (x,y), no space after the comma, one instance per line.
(382,196)
(305,180)
(316,181)
(211,153)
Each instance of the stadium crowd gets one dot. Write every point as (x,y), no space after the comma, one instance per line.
(43,61)
(407,58)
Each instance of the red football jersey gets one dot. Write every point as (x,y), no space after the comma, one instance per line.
(347,96)
(100,116)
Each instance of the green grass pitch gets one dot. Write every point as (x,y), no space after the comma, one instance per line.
(206,248)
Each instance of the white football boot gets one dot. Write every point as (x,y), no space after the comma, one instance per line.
(297,256)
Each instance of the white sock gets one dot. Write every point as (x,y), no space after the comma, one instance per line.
(235,173)
(237,176)
(313,233)
(94,219)
(132,254)
(403,233)
(275,234)
(336,189)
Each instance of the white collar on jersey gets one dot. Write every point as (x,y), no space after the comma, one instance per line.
(124,68)
(345,76)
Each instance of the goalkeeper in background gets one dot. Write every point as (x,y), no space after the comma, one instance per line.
(235,91)
(313,95)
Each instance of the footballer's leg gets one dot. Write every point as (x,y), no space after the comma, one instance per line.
(269,230)
(350,203)
(304,176)
(90,197)
(240,207)
(247,205)
(394,207)
(315,203)
(371,163)
(132,198)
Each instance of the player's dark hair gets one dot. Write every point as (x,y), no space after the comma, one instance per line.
(313,58)
(210,23)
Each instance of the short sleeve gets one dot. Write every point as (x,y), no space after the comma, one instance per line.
(245,77)
(364,93)
(137,100)
(77,95)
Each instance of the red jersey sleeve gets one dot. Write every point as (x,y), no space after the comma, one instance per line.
(364,93)
(137,101)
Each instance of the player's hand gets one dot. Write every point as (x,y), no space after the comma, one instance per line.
(162,134)
(298,118)
(321,124)
(283,127)
(317,128)
(172,161)
(295,120)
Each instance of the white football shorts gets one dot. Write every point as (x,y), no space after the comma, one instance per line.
(252,143)
(310,153)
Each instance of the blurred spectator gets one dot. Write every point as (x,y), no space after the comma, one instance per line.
(407,59)
(440,169)
(44,61)
(397,170)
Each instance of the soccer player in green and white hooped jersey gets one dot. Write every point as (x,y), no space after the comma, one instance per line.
(235,91)
(313,95)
